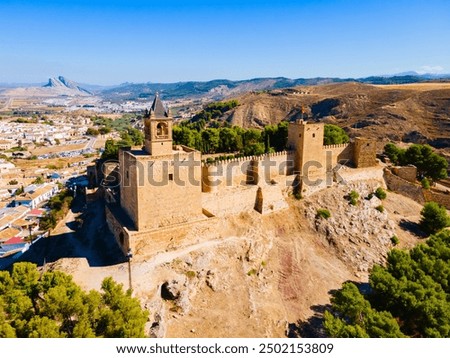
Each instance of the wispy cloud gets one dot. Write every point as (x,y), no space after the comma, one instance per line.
(430,69)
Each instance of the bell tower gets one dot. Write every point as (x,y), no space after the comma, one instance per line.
(158,129)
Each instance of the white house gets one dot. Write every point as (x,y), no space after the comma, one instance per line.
(37,195)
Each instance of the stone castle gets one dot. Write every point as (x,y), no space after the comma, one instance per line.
(163,185)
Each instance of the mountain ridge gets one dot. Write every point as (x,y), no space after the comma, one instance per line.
(216,89)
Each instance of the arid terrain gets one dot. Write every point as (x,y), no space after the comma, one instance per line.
(415,113)
(253,275)
(247,275)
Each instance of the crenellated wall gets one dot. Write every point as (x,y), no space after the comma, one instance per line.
(246,170)
(338,153)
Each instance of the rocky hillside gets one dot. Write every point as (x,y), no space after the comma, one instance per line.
(253,275)
(64,84)
(418,113)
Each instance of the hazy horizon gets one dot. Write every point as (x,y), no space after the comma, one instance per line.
(111,42)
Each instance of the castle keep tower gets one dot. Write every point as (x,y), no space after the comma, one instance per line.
(161,183)
(306,139)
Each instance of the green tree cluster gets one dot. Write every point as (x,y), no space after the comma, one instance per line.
(429,164)
(59,206)
(51,305)
(213,111)
(38,180)
(92,131)
(357,318)
(408,297)
(272,138)
(334,135)
(128,138)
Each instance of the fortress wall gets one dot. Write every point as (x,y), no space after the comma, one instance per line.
(273,165)
(230,201)
(270,199)
(313,183)
(337,153)
(408,173)
(149,242)
(363,174)
(129,185)
(415,191)
(225,173)
(438,197)
(246,170)
(404,187)
(121,233)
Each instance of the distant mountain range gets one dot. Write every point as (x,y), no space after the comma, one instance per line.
(221,88)
(215,89)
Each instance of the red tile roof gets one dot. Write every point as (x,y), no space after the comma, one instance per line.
(14,240)
(36,212)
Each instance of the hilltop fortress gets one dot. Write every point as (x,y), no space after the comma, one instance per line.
(163,185)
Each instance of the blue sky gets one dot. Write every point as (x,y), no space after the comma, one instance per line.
(110,42)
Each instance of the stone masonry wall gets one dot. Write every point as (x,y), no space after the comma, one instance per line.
(365,153)
(121,233)
(337,153)
(438,197)
(247,170)
(408,173)
(403,187)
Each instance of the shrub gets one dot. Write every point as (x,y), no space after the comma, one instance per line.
(425,183)
(380,193)
(323,213)
(191,274)
(13,182)
(38,180)
(380,208)
(434,217)
(353,197)
(395,241)
(252,272)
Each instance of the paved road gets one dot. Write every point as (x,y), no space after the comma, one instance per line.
(7,104)
(90,144)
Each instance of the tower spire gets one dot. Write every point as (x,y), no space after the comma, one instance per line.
(158,110)
(158,129)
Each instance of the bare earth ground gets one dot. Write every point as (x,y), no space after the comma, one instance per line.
(248,275)
(59,148)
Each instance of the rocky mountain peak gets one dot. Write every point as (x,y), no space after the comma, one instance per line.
(62,82)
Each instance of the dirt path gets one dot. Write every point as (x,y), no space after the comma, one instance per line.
(167,257)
